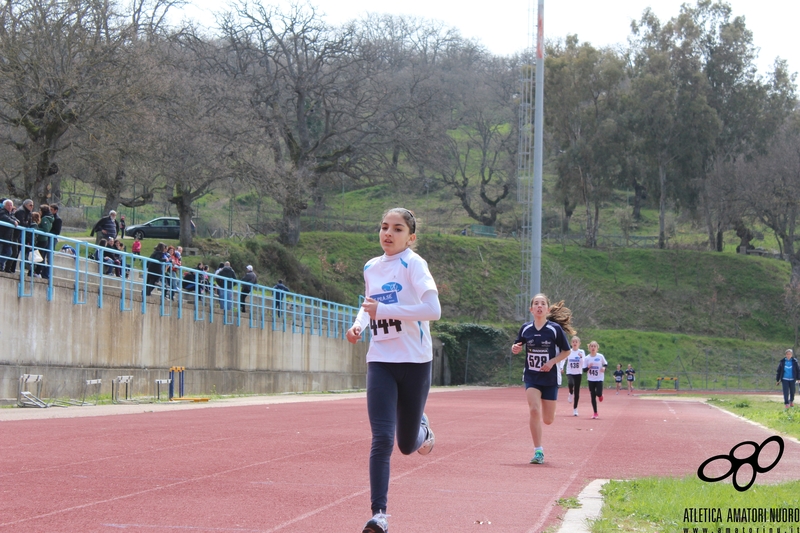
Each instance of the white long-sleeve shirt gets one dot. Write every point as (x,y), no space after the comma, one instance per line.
(407,300)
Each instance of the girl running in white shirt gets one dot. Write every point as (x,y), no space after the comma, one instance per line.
(401,299)
(575,372)
(595,372)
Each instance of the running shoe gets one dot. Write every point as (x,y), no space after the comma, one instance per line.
(574,412)
(600,398)
(594,416)
(538,458)
(569,398)
(430,440)
(377,524)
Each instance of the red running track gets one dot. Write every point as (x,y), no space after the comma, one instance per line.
(303,466)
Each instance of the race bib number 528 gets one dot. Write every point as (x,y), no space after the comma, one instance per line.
(537,359)
(385,329)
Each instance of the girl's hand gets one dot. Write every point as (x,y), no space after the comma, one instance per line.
(516,348)
(547,366)
(370,306)
(353,334)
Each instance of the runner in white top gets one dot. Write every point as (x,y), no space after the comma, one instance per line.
(595,368)
(401,297)
(575,372)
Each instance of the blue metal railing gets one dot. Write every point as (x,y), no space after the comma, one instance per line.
(208,296)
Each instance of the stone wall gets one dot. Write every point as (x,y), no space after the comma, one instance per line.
(69,343)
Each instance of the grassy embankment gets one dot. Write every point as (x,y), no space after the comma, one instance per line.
(659,504)
(708,318)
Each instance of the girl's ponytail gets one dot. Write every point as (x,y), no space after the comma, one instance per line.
(562,316)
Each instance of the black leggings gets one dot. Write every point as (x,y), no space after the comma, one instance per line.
(574,381)
(396,396)
(595,390)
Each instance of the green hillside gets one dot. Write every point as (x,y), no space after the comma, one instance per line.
(671,291)
(716,320)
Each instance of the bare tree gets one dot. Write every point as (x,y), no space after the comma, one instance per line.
(771,184)
(202,127)
(61,64)
(316,110)
(476,156)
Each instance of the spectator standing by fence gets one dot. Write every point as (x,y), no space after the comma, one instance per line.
(205,281)
(155,269)
(788,373)
(44,242)
(106,228)
(7,233)
(278,296)
(23,216)
(175,259)
(34,266)
(57,223)
(189,282)
(249,280)
(225,279)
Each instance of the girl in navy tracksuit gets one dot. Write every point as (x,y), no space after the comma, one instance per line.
(788,373)
(545,343)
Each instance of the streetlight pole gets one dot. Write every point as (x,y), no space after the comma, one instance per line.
(538,121)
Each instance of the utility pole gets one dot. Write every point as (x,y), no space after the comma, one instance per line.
(529,166)
(536,211)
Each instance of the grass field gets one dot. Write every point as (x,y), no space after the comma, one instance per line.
(658,505)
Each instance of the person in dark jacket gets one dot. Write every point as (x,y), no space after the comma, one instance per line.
(21,245)
(249,280)
(155,269)
(788,373)
(57,222)
(106,228)
(278,296)
(44,243)
(226,286)
(7,233)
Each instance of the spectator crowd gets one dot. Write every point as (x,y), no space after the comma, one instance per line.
(163,270)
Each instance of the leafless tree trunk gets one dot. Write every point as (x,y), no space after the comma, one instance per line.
(63,64)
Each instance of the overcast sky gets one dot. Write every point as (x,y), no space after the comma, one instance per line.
(503,25)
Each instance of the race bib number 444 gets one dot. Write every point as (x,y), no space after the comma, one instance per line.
(386,328)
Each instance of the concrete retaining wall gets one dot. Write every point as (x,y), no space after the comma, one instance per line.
(69,343)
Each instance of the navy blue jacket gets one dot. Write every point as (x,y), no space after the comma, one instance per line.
(795,369)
